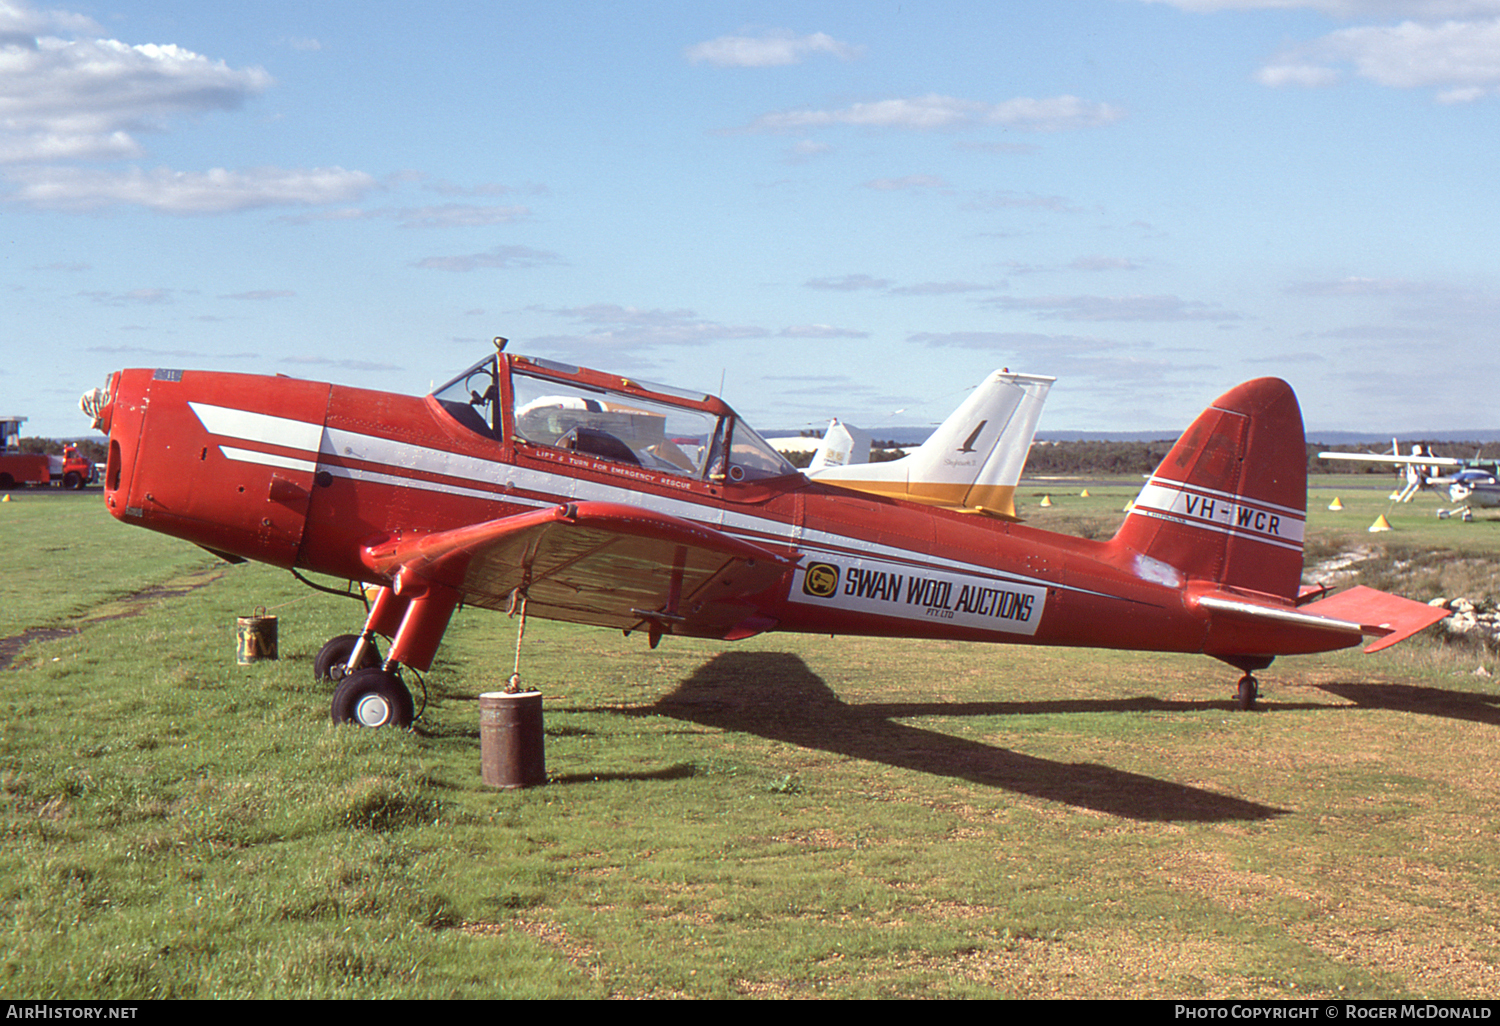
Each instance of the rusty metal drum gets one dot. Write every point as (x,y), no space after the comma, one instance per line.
(511,740)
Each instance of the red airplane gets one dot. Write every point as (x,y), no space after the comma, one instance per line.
(575,495)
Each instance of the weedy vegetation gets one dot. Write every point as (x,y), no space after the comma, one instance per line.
(786,817)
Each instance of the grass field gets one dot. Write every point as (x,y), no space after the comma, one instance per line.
(785,817)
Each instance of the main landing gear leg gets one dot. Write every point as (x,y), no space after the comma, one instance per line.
(343,655)
(371,693)
(350,652)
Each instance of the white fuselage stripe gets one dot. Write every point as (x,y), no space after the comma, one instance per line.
(1238,516)
(268,459)
(1167,484)
(395,463)
(258,427)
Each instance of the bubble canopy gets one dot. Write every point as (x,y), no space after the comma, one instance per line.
(538,402)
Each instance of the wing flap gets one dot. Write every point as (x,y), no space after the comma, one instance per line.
(599,563)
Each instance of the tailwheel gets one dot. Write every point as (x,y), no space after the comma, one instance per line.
(1249,691)
(373,697)
(332,660)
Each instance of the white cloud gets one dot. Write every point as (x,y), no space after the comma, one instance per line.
(942,288)
(1117,308)
(805,150)
(20,25)
(773,48)
(258,295)
(906,182)
(182,354)
(630,328)
(946,113)
(1451,46)
(135,297)
(67,96)
(848,283)
(821,332)
(1457,54)
(85,98)
(166,191)
(1015,200)
(1103,263)
(354,365)
(1017,341)
(503,257)
(1308,75)
(1419,9)
(1363,287)
(459,215)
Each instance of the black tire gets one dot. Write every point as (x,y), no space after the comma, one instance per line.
(332,659)
(372,698)
(1249,692)
(72,480)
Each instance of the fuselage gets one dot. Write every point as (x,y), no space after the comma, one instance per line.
(314,475)
(1475,488)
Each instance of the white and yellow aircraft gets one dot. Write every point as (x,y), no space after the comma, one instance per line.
(972,462)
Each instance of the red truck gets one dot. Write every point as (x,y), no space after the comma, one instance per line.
(22,468)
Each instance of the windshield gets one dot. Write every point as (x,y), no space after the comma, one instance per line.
(751,456)
(610,424)
(473,398)
(614,426)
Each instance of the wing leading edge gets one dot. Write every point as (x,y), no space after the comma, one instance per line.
(599,563)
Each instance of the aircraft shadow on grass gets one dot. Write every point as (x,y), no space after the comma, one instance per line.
(775,695)
(1473,706)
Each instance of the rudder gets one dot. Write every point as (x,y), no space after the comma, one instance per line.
(1229,503)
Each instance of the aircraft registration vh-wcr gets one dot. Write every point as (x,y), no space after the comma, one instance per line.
(576,495)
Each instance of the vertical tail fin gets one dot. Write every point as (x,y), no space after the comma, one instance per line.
(975,457)
(1229,502)
(843,445)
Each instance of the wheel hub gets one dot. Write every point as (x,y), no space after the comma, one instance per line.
(372,711)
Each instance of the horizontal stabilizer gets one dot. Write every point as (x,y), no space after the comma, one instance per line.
(1350,614)
(1236,607)
(1391,617)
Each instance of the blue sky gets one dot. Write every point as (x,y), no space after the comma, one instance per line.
(852,209)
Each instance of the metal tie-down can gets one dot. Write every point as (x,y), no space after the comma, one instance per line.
(255,637)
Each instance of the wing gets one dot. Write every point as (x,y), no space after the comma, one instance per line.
(598,563)
(1400,461)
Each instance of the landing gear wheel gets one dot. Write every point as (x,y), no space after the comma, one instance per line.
(331,662)
(1249,692)
(372,698)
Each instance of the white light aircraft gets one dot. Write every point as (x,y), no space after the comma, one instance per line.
(972,462)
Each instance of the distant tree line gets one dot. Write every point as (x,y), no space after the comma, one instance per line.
(1070,459)
(90,449)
